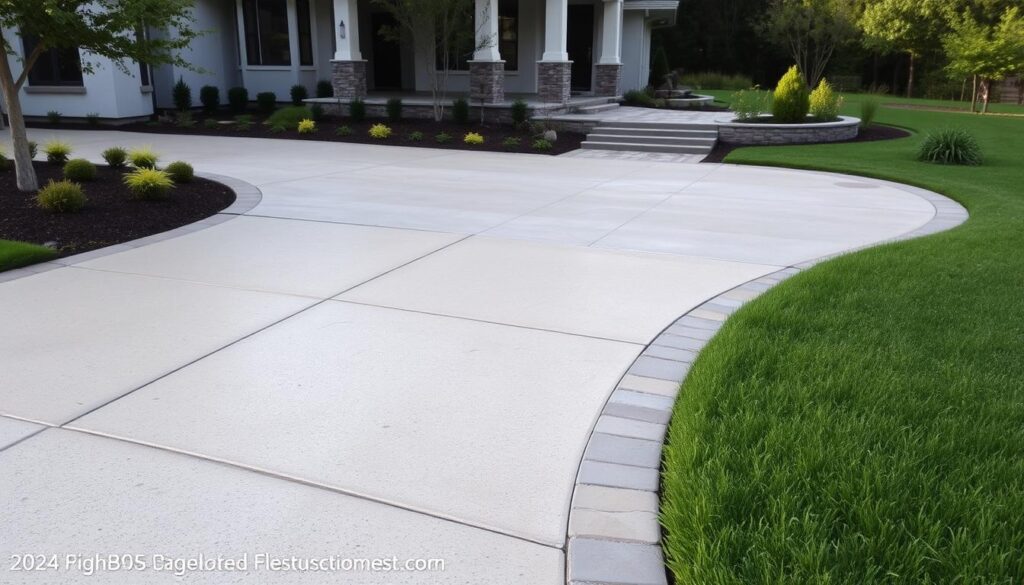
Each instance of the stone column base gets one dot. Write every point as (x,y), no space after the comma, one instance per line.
(349,79)
(553,81)
(608,80)
(487,81)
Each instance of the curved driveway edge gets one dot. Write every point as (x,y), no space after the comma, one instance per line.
(614,536)
(247,196)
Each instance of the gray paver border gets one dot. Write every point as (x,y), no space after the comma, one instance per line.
(247,196)
(608,542)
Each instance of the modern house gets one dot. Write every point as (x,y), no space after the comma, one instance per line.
(542,50)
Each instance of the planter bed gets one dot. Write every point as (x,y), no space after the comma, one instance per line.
(111,216)
(764,131)
(869,134)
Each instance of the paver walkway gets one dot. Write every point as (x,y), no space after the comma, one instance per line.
(399,352)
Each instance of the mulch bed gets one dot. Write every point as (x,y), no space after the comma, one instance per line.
(494,134)
(110,217)
(870,134)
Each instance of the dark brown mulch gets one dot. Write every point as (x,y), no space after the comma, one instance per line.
(869,134)
(110,217)
(494,134)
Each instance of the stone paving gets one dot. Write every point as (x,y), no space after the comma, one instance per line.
(396,352)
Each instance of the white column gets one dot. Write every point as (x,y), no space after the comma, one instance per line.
(293,39)
(611,36)
(486,23)
(346,31)
(555,22)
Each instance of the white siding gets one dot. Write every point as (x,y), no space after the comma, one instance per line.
(636,50)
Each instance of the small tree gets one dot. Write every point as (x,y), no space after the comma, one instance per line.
(438,27)
(904,26)
(991,52)
(98,28)
(810,30)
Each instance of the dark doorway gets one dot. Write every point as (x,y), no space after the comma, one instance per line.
(580,44)
(387,53)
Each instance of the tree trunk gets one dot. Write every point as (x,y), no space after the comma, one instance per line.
(974,93)
(25,173)
(910,77)
(985,87)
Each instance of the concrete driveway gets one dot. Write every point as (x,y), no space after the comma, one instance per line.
(397,353)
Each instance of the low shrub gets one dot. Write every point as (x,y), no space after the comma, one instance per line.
(357,110)
(54,117)
(791,102)
(298,94)
(460,111)
(180,172)
(951,146)
(61,197)
(238,99)
(415,136)
(33,149)
(324,89)
(318,112)
(209,96)
(211,124)
(394,109)
(443,138)
(637,98)
(520,112)
(181,94)
(473,139)
(512,142)
(184,120)
(306,127)
(868,110)
(57,152)
(343,131)
(79,170)
(825,102)
(115,157)
(92,119)
(243,123)
(266,102)
(278,129)
(143,158)
(5,163)
(149,184)
(542,144)
(289,116)
(748,104)
(380,132)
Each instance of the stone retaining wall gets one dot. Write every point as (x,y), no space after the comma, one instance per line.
(845,128)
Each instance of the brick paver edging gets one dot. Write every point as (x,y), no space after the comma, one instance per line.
(247,196)
(614,537)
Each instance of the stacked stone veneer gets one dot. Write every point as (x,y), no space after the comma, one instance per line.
(608,80)
(553,81)
(348,79)
(487,81)
(767,134)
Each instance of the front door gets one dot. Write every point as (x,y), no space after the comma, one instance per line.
(580,44)
(387,53)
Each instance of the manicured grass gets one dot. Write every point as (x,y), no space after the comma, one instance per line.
(863,422)
(724,96)
(18,254)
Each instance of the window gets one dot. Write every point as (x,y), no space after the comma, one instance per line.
(462,49)
(141,34)
(266,32)
(54,66)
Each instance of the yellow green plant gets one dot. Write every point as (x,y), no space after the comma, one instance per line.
(791,102)
(148,184)
(825,102)
(143,158)
(380,131)
(61,197)
(57,152)
(307,126)
(473,138)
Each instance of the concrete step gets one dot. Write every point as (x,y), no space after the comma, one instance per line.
(706,141)
(641,147)
(623,131)
(663,125)
(595,108)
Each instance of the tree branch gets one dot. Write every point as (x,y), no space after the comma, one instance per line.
(29,62)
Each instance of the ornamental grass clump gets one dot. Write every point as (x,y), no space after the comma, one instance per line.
(791,101)
(542,144)
(443,138)
(143,158)
(180,172)
(748,104)
(380,132)
(343,131)
(149,184)
(825,102)
(61,197)
(80,170)
(307,126)
(868,110)
(115,157)
(951,146)
(473,139)
(57,152)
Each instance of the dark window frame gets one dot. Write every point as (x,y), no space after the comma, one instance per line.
(51,68)
(261,49)
(304,14)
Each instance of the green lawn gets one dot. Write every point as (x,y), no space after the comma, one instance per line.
(863,422)
(723,96)
(18,254)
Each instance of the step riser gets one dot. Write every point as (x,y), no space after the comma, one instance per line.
(664,126)
(701,142)
(700,134)
(663,148)
(596,109)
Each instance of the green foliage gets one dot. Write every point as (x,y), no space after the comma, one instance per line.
(639,99)
(306,126)
(659,67)
(715,80)
(181,94)
(79,170)
(542,144)
(991,52)
(824,102)
(61,197)
(180,172)
(33,149)
(750,103)
(790,102)
(380,132)
(149,184)
(211,124)
(92,119)
(512,142)
(209,96)
(868,110)
(238,99)
(443,138)
(289,116)
(143,158)
(298,94)
(415,136)
(520,111)
(57,152)
(473,139)
(266,102)
(394,109)
(115,157)
(357,110)
(243,123)
(5,163)
(54,117)
(950,146)
(318,112)
(810,30)
(324,89)
(184,119)
(17,254)
(460,111)
(343,131)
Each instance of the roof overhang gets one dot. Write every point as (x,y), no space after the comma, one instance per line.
(658,13)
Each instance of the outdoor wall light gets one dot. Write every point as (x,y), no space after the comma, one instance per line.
(341,29)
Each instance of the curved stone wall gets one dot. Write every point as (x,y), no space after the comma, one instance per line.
(730,132)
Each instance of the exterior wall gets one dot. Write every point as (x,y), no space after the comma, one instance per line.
(214,53)
(636,51)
